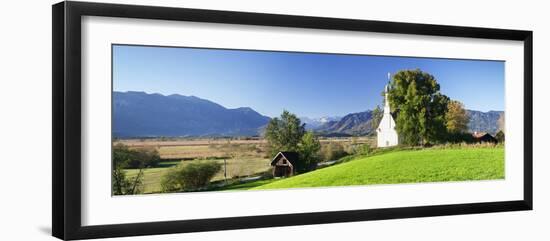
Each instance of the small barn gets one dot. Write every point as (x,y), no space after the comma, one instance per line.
(283,163)
(484,137)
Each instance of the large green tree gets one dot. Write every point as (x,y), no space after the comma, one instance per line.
(284,133)
(420,106)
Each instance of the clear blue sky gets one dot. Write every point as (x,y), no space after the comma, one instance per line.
(307,84)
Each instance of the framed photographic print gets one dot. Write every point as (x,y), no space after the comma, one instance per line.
(170,120)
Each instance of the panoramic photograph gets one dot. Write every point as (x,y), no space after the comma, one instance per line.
(202,120)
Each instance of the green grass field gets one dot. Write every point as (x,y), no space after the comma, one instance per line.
(406,166)
(388,166)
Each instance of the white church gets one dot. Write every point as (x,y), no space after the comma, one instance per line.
(386,133)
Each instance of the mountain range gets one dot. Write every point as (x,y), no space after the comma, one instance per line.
(360,123)
(484,121)
(314,123)
(352,124)
(138,114)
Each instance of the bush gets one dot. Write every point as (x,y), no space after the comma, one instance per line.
(135,158)
(366,149)
(192,176)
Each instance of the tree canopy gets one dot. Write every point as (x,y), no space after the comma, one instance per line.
(288,133)
(134,158)
(308,150)
(284,133)
(456,118)
(420,106)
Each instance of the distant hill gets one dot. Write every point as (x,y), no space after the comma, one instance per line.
(352,124)
(360,123)
(138,114)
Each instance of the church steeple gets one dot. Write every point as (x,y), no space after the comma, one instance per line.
(386,133)
(386,99)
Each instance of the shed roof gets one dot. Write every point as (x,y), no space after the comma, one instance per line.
(291,156)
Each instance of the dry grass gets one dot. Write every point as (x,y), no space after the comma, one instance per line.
(235,168)
(189,149)
(244,157)
(203,148)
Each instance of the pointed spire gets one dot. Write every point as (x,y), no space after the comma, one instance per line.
(386,100)
(387,87)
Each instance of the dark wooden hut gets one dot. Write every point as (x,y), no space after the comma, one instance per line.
(283,163)
(484,137)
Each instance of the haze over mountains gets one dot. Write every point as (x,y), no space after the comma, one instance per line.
(138,114)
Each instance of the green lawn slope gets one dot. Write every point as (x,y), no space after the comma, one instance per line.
(406,166)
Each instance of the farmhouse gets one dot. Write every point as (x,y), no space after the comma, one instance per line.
(386,133)
(483,137)
(283,163)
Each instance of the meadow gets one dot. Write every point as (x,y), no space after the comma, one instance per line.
(244,157)
(405,166)
(385,166)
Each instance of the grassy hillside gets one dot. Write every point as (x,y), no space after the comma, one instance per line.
(408,166)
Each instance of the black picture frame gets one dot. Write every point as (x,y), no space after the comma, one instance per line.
(66,141)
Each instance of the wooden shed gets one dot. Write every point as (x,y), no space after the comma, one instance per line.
(483,137)
(283,163)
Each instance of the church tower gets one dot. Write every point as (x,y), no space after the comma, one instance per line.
(386,133)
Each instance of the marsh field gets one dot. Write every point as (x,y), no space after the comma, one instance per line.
(243,159)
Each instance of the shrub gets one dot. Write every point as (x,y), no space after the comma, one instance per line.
(135,158)
(192,176)
(364,149)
